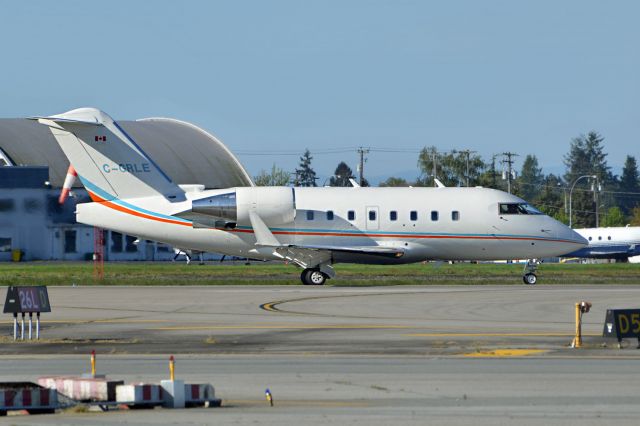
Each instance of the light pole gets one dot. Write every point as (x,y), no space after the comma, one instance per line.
(571,193)
(564,192)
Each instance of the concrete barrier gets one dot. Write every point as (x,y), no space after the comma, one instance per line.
(140,395)
(83,389)
(27,396)
(173,392)
(200,395)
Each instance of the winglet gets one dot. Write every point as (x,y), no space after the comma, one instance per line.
(264,237)
(354,183)
(438,183)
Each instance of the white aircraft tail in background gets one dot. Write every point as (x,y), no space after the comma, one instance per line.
(313,228)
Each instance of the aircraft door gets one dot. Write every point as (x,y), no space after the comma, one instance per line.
(372,217)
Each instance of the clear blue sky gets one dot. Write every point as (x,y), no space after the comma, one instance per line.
(484,75)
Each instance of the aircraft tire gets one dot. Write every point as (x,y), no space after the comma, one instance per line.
(530,279)
(313,277)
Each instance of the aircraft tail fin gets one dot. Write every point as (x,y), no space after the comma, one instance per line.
(108,161)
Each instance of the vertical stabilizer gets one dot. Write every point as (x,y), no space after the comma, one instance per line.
(108,161)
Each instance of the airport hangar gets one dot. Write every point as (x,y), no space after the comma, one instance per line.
(32,172)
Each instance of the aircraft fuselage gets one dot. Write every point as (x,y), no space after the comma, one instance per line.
(425,223)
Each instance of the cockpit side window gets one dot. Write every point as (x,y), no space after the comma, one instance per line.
(517,208)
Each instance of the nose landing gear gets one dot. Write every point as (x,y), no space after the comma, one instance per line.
(529,277)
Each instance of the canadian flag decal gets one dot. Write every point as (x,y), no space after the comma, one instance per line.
(101,138)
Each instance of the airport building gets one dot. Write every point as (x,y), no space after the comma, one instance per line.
(34,226)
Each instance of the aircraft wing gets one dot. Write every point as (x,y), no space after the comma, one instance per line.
(312,255)
(309,256)
(374,250)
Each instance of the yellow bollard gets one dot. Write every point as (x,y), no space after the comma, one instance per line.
(577,342)
(581,308)
(172,368)
(93,363)
(267,394)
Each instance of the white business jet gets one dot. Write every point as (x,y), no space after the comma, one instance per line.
(313,228)
(619,242)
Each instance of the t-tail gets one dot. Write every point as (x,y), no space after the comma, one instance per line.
(108,161)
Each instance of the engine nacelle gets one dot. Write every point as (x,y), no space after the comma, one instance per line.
(275,205)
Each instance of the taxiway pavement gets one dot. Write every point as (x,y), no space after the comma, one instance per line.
(377,355)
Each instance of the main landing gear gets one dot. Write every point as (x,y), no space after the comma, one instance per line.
(313,277)
(529,277)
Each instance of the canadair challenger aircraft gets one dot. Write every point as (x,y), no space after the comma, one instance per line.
(310,227)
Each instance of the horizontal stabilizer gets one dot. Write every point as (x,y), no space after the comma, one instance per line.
(108,161)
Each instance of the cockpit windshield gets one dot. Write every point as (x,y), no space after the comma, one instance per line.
(517,208)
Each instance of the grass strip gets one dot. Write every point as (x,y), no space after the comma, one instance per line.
(433,273)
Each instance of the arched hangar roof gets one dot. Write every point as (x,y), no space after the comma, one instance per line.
(185,152)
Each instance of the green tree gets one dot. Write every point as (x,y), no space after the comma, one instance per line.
(342,175)
(429,165)
(550,199)
(395,181)
(465,166)
(629,182)
(277,177)
(450,168)
(489,178)
(305,175)
(586,157)
(531,178)
(613,217)
(635,216)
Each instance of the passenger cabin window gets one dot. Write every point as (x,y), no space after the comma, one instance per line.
(309,214)
(455,215)
(434,215)
(413,215)
(590,238)
(372,215)
(351,215)
(599,238)
(330,215)
(609,238)
(393,215)
(517,208)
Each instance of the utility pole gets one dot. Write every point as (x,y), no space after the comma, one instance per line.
(434,160)
(467,153)
(494,184)
(507,159)
(362,151)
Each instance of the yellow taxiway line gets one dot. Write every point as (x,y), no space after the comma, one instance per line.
(295,403)
(503,353)
(534,334)
(281,327)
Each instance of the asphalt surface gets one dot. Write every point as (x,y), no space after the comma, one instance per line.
(378,355)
